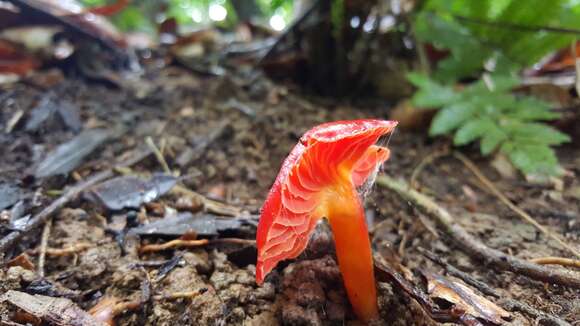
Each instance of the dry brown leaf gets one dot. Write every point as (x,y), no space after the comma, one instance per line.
(464,299)
(23,261)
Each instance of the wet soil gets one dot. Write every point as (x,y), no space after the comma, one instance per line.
(249,125)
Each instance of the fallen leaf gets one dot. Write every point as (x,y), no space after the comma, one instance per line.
(68,156)
(464,299)
(130,191)
(9,195)
(180,224)
(48,109)
(23,261)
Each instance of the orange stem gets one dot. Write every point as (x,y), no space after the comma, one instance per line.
(353,249)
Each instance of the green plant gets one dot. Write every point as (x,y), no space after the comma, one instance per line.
(490,113)
(485,44)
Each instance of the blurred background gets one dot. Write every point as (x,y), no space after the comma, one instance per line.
(479,64)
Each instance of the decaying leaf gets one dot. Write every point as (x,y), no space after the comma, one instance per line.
(180,224)
(464,299)
(131,192)
(68,156)
(23,261)
(9,195)
(52,311)
(49,109)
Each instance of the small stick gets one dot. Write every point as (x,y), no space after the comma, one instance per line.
(209,205)
(158,155)
(39,219)
(177,243)
(473,246)
(426,160)
(567,262)
(43,246)
(453,271)
(181,243)
(525,216)
(66,251)
(410,232)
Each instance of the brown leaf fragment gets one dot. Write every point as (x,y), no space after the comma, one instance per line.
(53,311)
(23,261)
(464,299)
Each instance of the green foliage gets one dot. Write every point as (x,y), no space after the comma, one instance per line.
(484,43)
(141,15)
(488,26)
(337,16)
(496,118)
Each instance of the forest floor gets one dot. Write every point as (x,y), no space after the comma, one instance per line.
(227,137)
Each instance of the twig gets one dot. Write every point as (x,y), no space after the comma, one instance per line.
(453,271)
(539,316)
(40,218)
(426,160)
(158,155)
(556,261)
(43,245)
(177,243)
(209,205)
(386,273)
(66,251)
(486,182)
(466,242)
(507,303)
(410,232)
(181,243)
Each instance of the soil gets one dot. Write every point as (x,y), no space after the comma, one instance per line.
(257,123)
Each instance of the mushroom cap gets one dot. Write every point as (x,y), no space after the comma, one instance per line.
(334,154)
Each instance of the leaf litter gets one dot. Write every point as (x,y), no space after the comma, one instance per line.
(243,162)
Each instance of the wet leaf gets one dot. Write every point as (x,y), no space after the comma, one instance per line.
(131,192)
(68,156)
(9,195)
(202,224)
(49,109)
(464,299)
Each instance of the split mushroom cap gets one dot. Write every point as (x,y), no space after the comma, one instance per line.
(328,161)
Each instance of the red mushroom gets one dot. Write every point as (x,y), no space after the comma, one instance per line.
(319,179)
